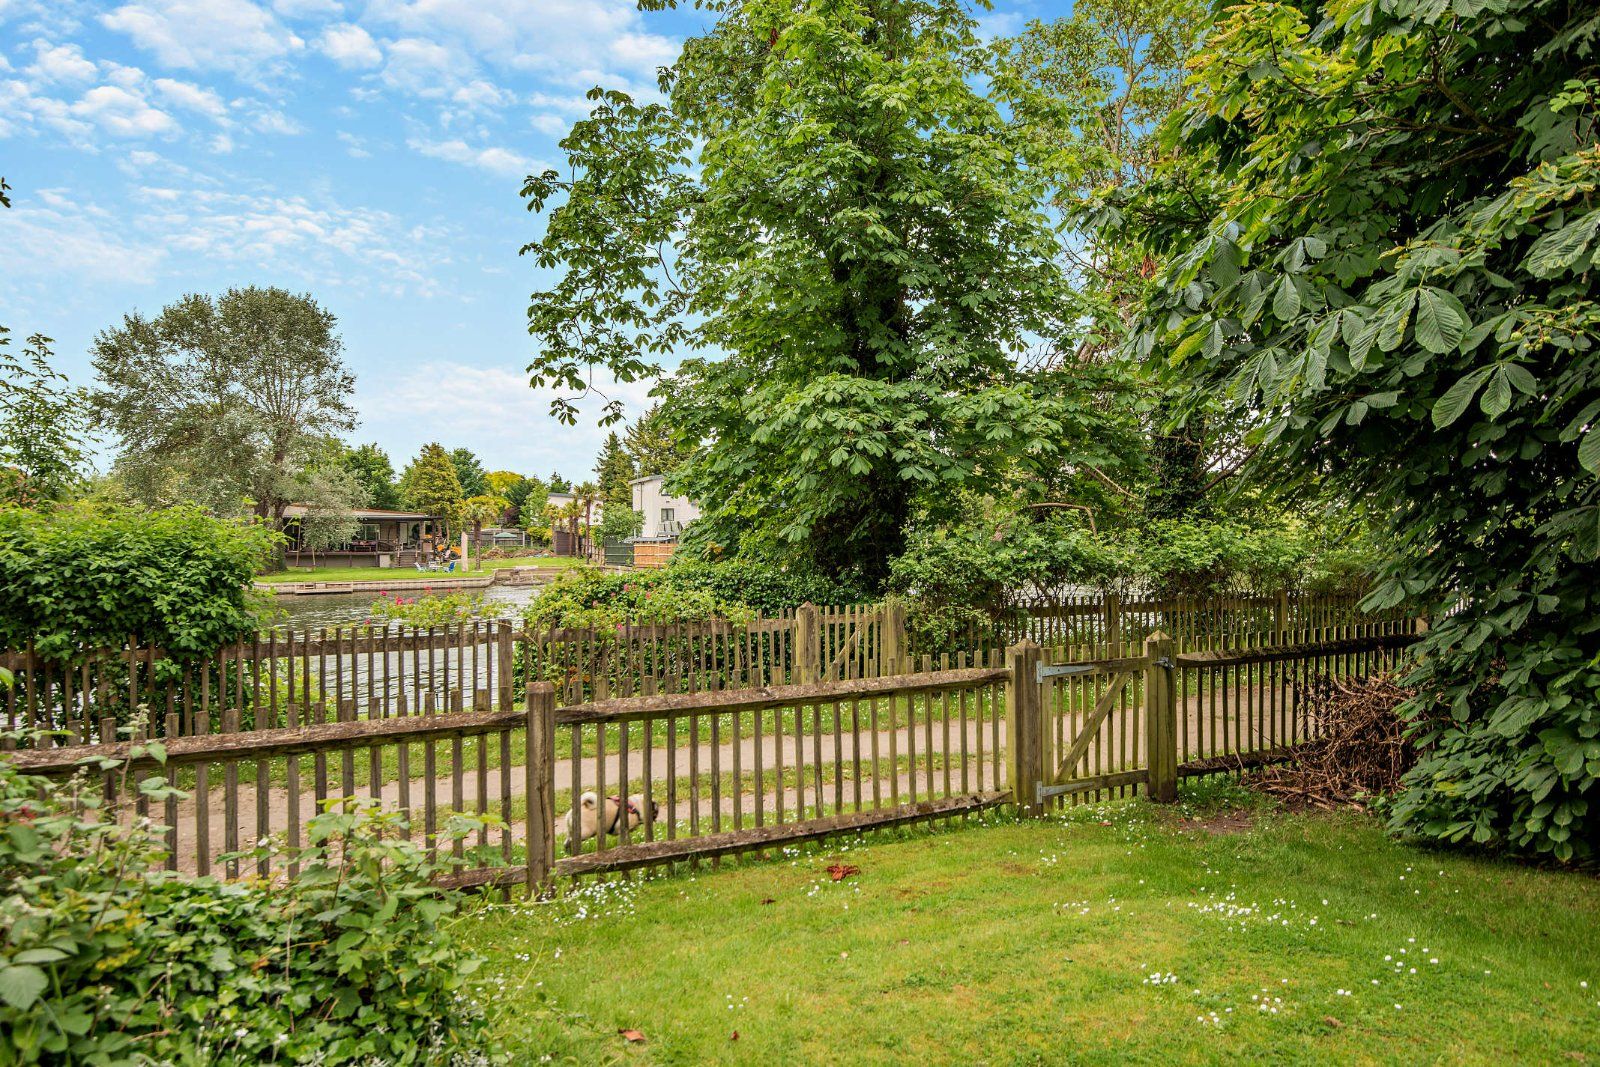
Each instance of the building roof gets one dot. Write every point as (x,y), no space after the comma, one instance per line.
(646,478)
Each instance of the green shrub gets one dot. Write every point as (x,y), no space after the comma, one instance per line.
(92,576)
(586,597)
(433,609)
(106,959)
(764,587)
(968,580)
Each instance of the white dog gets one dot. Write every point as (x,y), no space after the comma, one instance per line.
(616,809)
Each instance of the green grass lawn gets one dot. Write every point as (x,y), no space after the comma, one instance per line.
(1110,935)
(395,574)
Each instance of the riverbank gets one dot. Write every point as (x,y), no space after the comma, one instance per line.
(523,570)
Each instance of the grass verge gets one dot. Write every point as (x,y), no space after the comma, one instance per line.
(1113,934)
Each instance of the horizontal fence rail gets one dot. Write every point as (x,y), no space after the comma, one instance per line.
(676,776)
(245,788)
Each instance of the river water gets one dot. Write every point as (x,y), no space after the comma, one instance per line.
(302,613)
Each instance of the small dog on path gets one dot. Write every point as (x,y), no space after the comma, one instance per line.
(611,820)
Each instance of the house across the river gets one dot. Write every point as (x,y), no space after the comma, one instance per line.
(664,519)
(386,539)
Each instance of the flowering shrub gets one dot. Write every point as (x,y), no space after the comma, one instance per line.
(433,609)
(106,959)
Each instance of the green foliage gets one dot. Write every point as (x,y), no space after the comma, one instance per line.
(588,597)
(653,446)
(558,484)
(857,222)
(89,576)
(433,609)
(371,467)
(618,523)
(965,579)
(430,484)
(43,425)
(1391,278)
(684,592)
(469,472)
(331,495)
(221,400)
(613,471)
(108,959)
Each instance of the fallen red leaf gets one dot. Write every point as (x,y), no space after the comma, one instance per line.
(840,871)
(768,900)
(735,1036)
(631,1035)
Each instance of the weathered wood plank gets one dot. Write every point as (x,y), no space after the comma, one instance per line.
(732,841)
(1294,652)
(674,705)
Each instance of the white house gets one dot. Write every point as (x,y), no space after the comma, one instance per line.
(664,516)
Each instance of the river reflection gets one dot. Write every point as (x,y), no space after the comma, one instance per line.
(303,613)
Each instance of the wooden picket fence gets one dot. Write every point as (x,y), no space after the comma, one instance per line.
(715,772)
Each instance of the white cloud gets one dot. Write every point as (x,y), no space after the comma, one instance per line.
(221,144)
(424,67)
(63,63)
(481,94)
(192,98)
(79,243)
(232,35)
(269,121)
(350,46)
(566,40)
(647,51)
(322,242)
(473,405)
(354,145)
(123,112)
(300,9)
(493,159)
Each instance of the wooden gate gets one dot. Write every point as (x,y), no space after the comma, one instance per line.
(1091,726)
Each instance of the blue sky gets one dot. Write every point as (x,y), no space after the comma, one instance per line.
(367,151)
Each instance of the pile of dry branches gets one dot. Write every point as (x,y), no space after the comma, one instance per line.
(1359,748)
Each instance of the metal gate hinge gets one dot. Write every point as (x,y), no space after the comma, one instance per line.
(1060,670)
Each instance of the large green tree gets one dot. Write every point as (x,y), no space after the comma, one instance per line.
(430,484)
(370,466)
(838,200)
(469,472)
(43,425)
(1394,283)
(652,446)
(222,400)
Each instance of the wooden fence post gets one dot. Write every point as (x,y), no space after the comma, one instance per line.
(1280,616)
(539,787)
(1113,607)
(505,659)
(1025,726)
(807,643)
(1161,717)
(894,636)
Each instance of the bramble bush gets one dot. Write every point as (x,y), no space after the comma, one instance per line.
(94,575)
(105,958)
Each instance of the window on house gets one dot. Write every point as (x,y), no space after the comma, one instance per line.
(666,515)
